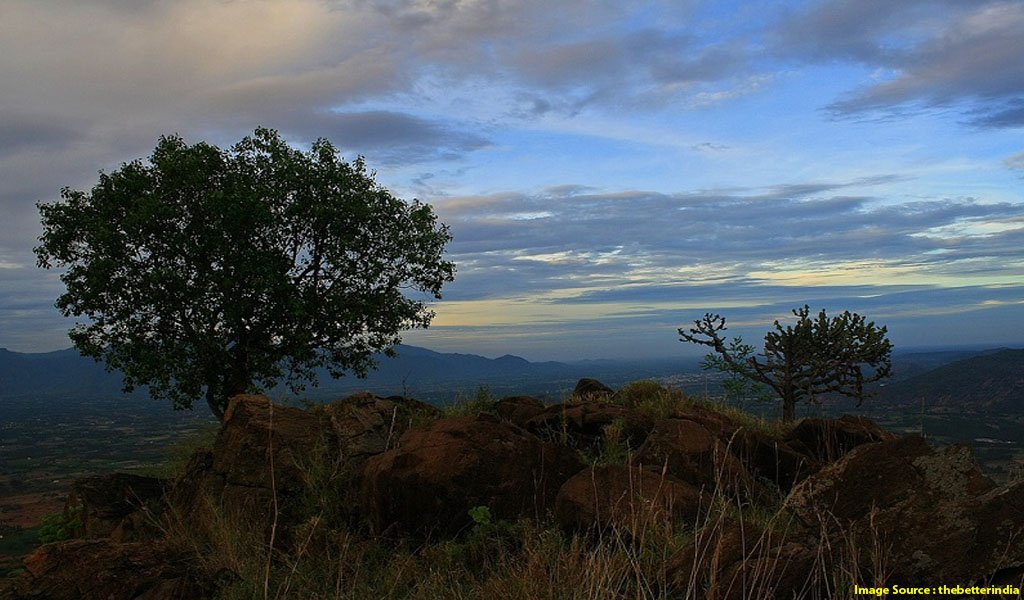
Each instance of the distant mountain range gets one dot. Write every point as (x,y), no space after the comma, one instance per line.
(991,381)
(414,371)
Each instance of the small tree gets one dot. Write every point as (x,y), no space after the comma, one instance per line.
(207,272)
(814,357)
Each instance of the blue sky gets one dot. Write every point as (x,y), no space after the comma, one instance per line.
(610,170)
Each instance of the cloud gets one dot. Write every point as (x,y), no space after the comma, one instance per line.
(388,137)
(1015,162)
(574,245)
(26,131)
(937,53)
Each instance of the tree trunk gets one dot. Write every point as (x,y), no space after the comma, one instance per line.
(788,408)
(217,405)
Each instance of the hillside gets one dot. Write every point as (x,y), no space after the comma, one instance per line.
(989,382)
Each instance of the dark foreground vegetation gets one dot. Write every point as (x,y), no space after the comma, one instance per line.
(635,493)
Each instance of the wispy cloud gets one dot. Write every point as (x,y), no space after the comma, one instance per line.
(931,53)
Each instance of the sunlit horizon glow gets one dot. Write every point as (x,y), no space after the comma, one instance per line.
(609,172)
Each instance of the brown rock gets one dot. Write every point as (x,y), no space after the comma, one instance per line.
(771,459)
(103,569)
(259,444)
(518,409)
(365,425)
(716,546)
(591,389)
(584,426)
(626,498)
(932,514)
(261,465)
(826,440)
(118,505)
(693,454)
(428,484)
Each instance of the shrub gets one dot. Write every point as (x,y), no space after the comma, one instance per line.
(60,526)
(463,406)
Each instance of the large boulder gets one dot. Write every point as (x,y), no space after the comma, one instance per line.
(267,456)
(771,459)
(518,410)
(365,425)
(586,426)
(690,452)
(121,506)
(928,515)
(765,457)
(826,440)
(626,498)
(428,484)
(588,390)
(261,445)
(102,568)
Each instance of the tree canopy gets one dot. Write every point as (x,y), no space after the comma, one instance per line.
(804,361)
(205,272)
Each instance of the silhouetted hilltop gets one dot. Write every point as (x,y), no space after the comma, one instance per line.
(989,382)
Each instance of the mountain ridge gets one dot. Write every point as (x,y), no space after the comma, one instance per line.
(989,382)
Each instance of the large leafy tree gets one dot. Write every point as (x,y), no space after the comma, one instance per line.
(805,361)
(205,272)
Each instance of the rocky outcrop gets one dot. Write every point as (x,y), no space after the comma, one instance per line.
(266,455)
(585,426)
(428,484)
(589,390)
(691,453)
(827,440)
(626,498)
(518,410)
(120,506)
(771,459)
(928,515)
(104,569)
(861,502)
(365,425)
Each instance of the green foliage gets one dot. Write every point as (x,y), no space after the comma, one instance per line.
(481,401)
(614,444)
(209,272)
(60,526)
(741,379)
(636,392)
(481,515)
(807,360)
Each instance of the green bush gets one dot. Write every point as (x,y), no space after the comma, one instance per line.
(467,406)
(60,526)
(636,392)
